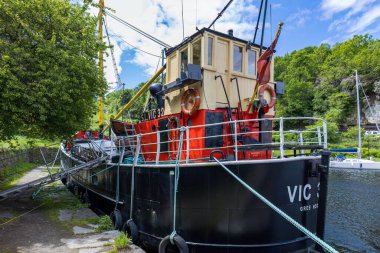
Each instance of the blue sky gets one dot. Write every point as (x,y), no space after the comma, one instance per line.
(306,23)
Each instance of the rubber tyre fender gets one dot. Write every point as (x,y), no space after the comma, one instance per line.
(86,199)
(179,242)
(70,186)
(132,231)
(76,190)
(64,180)
(117,219)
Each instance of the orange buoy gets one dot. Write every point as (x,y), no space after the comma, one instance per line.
(265,87)
(190,101)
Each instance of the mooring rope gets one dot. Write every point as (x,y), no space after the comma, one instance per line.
(117,197)
(14,218)
(176,180)
(307,232)
(101,171)
(135,160)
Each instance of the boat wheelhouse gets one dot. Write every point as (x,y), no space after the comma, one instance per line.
(210,79)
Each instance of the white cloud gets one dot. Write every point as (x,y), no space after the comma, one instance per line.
(346,20)
(162,19)
(298,18)
(330,7)
(276,5)
(366,20)
(355,16)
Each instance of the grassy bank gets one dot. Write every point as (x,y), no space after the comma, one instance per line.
(349,139)
(10,176)
(21,142)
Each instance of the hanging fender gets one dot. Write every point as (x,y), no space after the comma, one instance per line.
(265,87)
(117,219)
(179,242)
(191,96)
(131,229)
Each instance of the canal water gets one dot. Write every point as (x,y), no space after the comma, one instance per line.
(353,211)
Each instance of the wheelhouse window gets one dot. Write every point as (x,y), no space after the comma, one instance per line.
(210,42)
(184,60)
(238,59)
(197,52)
(251,62)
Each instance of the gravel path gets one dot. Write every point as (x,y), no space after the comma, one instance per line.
(34,174)
(29,226)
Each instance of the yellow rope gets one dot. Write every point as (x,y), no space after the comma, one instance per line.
(14,218)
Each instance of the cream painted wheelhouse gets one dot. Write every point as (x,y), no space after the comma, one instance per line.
(216,54)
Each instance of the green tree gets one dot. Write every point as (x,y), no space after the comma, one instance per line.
(299,71)
(48,68)
(320,80)
(117,99)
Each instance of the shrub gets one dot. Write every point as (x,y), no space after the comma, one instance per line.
(113,250)
(122,241)
(105,224)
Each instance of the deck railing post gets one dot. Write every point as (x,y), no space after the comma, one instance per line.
(158,150)
(319,136)
(282,137)
(324,135)
(137,150)
(187,144)
(301,142)
(235,140)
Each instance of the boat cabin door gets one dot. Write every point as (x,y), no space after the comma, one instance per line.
(222,68)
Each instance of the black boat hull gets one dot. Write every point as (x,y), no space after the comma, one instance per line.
(215,213)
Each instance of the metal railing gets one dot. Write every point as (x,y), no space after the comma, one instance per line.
(271,138)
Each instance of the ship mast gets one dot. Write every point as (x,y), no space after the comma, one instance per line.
(358,108)
(101,104)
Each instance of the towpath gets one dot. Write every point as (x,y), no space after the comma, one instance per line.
(55,222)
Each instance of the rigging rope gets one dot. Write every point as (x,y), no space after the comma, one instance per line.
(118,80)
(263,27)
(369,105)
(139,49)
(196,14)
(220,14)
(258,21)
(183,24)
(315,238)
(137,29)
(89,177)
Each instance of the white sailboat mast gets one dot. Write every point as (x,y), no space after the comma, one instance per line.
(358,108)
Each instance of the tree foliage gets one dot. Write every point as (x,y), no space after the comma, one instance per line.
(48,68)
(320,81)
(117,99)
